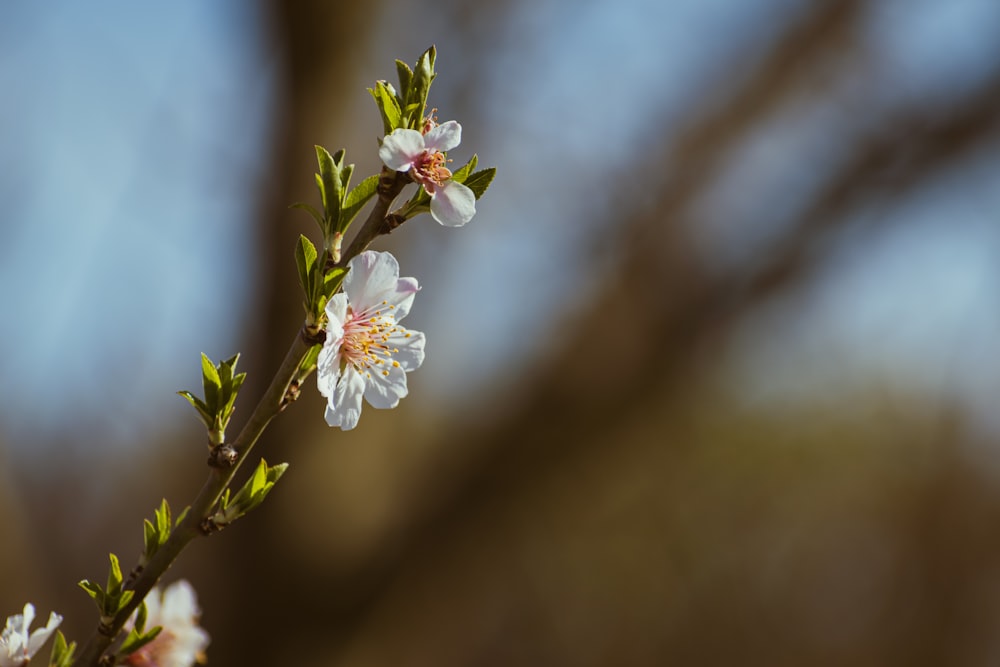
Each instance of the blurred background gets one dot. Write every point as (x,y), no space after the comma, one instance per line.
(710,378)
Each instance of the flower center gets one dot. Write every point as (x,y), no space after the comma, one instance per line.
(430,171)
(366,339)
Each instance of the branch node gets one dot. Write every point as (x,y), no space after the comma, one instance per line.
(223,456)
(312,337)
(208,526)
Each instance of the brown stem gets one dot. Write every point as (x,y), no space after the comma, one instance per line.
(271,403)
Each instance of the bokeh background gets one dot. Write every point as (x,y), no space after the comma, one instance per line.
(711,378)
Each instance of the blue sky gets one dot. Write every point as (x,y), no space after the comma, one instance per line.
(132,135)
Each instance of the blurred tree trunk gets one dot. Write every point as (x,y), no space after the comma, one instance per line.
(318,45)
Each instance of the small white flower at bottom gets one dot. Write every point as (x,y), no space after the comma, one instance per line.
(182,641)
(17,647)
(366,353)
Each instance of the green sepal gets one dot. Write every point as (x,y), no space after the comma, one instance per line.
(479,181)
(251,494)
(388,106)
(62,653)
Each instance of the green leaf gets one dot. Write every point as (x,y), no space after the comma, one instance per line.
(154,535)
(345,179)
(327,182)
(123,601)
(388,106)
(136,640)
(355,201)
(211,383)
(419,202)
(114,586)
(479,181)
(463,172)
(258,479)
(199,405)
(93,590)
(62,654)
(405,78)
(224,500)
(140,617)
(416,99)
(339,179)
(251,494)
(163,517)
(332,281)
(305,262)
(322,197)
(309,362)
(226,373)
(317,216)
(150,539)
(227,409)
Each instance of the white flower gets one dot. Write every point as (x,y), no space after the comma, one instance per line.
(181,642)
(17,647)
(366,352)
(422,154)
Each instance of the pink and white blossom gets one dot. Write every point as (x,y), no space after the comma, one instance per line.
(422,155)
(366,353)
(17,646)
(181,642)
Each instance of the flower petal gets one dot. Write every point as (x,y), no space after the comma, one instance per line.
(328,370)
(372,276)
(41,635)
(453,204)
(407,348)
(444,137)
(179,602)
(343,408)
(182,641)
(386,386)
(328,361)
(401,298)
(336,313)
(400,149)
